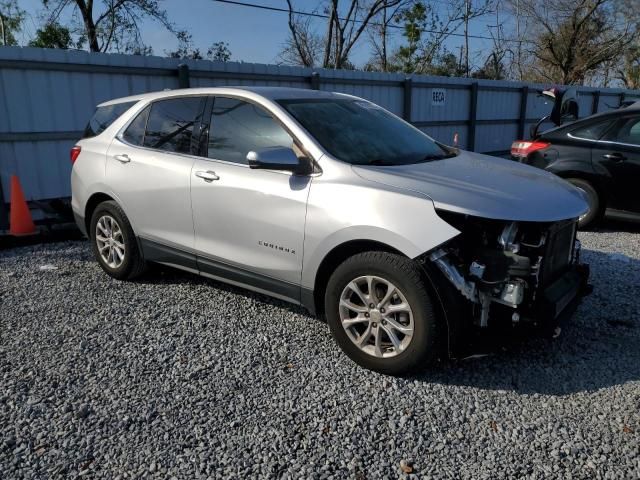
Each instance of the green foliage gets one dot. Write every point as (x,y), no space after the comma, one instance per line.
(52,35)
(219,51)
(415,20)
(11,18)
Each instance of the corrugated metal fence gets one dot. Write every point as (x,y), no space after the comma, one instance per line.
(47,96)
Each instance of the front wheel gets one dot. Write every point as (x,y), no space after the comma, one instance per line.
(381,314)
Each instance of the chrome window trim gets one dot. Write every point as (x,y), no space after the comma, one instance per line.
(581,138)
(120,133)
(607,142)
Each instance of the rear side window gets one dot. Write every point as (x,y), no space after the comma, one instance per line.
(593,131)
(134,134)
(170,124)
(626,130)
(104,117)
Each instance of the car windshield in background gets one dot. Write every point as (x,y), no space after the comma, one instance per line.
(104,117)
(362,133)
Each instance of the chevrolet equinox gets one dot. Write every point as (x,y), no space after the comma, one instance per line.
(329,201)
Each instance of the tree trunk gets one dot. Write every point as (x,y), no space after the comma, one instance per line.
(86,10)
(467,7)
(3,34)
(328,44)
(384,39)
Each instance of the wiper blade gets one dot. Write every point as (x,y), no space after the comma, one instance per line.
(441,156)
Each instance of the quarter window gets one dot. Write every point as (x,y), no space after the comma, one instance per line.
(104,117)
(238,127)
(170,124)
(134,134)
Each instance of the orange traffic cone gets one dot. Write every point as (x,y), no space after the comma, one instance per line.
(20,222)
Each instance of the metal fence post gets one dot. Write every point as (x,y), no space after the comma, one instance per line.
(522,121)
(315,81)
(621,98)
(4,212)
(406,106)
(596,102)
(183,76)
(473,113)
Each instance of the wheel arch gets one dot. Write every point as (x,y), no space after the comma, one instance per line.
(91,205)
(598,183)
(335,257)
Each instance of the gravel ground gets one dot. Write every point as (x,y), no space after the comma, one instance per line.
(175,375)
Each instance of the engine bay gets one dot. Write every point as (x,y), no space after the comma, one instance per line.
(503,268)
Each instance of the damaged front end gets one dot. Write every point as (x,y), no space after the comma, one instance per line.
(513,271)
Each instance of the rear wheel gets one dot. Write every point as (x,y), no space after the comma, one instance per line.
(381,314)
(593,199)
(114,243)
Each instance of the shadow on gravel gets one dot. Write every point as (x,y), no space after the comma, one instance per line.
(598,348)
(617,225)
(164,275)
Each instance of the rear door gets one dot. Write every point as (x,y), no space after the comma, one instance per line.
(617,155)
(149,169)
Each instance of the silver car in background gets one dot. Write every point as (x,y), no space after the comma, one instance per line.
(406,245)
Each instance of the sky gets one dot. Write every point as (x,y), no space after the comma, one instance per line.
(253,35)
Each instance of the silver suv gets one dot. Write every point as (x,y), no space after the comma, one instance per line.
(326,200)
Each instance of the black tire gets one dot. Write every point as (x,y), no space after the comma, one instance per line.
(133,264)
(408,277)
(593,199)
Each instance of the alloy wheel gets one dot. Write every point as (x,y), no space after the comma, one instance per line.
(110,241)
(376,316)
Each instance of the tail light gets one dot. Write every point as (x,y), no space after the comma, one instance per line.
(75,151)
(523,149)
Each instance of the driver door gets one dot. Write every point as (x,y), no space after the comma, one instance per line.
(249,224)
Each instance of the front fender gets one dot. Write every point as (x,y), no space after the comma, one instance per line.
(340,213)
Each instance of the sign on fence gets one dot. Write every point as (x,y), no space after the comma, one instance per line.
(438,97)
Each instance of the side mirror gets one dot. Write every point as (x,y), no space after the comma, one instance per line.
(278,158)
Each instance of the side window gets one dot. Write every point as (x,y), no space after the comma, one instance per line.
(237,127)
(626,130)
(134,134)
(592,131)
(104,117)
(170,124)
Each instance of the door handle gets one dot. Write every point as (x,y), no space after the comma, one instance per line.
(208,176)
(123,158)
(618,157)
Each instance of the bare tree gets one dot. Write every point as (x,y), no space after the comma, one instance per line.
(573,38)
(380,33)
(304,46)
(469,12)
(114,24)
(628,72)
(345,26)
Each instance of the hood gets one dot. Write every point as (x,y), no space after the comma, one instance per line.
(485,186)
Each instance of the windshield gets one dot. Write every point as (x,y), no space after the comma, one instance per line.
(361,133)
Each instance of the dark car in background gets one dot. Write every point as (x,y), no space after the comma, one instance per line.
(599,154)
